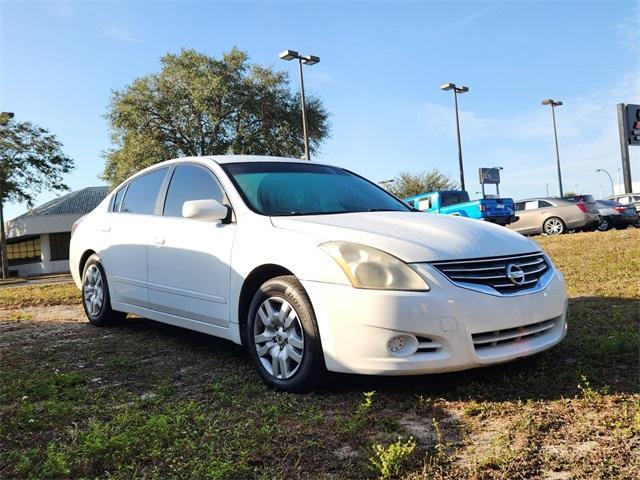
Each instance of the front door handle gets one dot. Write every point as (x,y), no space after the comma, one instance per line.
(158,240)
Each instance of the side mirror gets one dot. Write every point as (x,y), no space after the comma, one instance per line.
(210,209)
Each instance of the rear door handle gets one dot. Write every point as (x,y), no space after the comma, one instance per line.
(158,240)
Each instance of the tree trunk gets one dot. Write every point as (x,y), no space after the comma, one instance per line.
(3,243)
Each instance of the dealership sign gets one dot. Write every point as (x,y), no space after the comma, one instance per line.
(633,124)
(489,175)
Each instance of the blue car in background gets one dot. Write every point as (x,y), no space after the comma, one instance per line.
(456,202)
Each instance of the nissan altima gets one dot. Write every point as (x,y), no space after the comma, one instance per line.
(313,268)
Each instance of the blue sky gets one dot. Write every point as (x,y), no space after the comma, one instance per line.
(379,76)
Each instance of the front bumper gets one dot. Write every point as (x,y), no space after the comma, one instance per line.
(356,325)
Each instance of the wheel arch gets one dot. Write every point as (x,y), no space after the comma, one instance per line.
(83,259)
(250,286)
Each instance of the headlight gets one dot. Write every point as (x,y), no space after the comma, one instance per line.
(368,267)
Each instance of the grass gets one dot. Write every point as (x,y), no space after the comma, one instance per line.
(146,400)
(39,295)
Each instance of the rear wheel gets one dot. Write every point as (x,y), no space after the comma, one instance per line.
(604,225)
(283,338)
(95,295)
(553,226)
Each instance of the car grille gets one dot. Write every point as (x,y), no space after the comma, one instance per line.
(495,338)
(492,274)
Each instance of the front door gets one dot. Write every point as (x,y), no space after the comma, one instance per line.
(189,259)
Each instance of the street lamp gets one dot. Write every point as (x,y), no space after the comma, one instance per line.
(554,104)
(547,187)
(613,191)
(456,90)
(307,60)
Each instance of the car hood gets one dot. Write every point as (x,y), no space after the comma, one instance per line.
(413,236)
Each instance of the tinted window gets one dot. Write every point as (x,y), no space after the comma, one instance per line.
(117,198)
(282,188)
(59,245)
(544,203)
(190,183)
(580,198)
(520,206)
(142,192)
(452,198)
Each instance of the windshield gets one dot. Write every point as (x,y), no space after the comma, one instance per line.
(284,189)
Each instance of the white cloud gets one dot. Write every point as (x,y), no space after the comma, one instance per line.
(120,33)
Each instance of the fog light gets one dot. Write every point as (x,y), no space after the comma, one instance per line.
(402,345)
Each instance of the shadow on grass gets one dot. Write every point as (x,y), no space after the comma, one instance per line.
(602,345)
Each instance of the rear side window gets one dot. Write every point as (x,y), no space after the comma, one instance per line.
(142,193)
(189,182)
(452,198)
(117,198)
(544,204)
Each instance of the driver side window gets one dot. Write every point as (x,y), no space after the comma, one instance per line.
(190,182)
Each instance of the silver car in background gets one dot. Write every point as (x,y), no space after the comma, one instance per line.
(554,216)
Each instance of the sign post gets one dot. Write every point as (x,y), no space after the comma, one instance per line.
(629,127)
(491,176)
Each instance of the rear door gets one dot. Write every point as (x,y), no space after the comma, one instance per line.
(189,259)
(529,219)
(126,229)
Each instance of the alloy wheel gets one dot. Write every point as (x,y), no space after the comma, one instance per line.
(279,338)
(93,290)
(603,226)
(553,226)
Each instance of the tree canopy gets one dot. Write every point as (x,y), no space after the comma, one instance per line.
(408,184)
(31,160)
(200,105)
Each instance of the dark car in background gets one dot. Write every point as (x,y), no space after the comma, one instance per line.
(616,215)
(629,199)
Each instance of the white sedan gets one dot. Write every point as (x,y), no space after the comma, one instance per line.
(314,268)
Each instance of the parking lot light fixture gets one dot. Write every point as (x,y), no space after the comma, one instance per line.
(307,60)
(456,90)
(613,190)
(554,104)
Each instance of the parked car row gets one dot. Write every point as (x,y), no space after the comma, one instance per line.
(534,216)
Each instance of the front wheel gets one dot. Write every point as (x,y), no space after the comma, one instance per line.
(604,225)
(95,295)
(283,337)
(553,226)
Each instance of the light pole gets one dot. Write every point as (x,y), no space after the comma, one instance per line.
(307,60)
(613,191)
(456,90)
(547,187)
(554,104)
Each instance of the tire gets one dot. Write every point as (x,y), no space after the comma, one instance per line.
(286,351)
(604,225)
(553,226)
(95,295)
